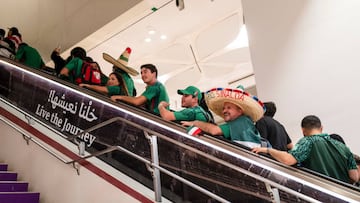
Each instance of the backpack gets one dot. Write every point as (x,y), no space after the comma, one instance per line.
(205,109)
(90,74)
(207,114)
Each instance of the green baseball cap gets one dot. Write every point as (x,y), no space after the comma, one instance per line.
(191,90)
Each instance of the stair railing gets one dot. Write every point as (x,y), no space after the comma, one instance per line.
(153,164)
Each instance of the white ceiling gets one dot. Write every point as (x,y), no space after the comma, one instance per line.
(202,31)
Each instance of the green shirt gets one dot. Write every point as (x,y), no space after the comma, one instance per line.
(29,56)
(154,95)
(74,66)
(128,82)
(241,130)
(191,114)
(325,155)
(114,90)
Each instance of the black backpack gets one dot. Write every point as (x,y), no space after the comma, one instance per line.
(209,116)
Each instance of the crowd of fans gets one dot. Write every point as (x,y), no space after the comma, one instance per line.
(247,121)
(12,46)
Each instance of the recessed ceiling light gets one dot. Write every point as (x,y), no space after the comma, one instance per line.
(163,37)
(147,39)
(151,30)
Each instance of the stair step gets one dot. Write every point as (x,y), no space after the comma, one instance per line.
(19,197)
(3,167)
(8,176)
(13,186)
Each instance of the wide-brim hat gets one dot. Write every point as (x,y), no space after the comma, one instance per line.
(250,105)
(122,62)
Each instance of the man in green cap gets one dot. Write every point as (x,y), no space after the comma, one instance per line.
(190,99)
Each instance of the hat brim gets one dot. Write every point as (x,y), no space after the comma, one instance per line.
(250,106)
(117,64)
(182,92)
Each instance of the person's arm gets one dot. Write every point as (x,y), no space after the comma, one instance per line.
(137,101)
(58,60)
(206,127)
(64,71)
(20,53)
(164,113)
(353,175)
(97,88)
(290,146)
(55,56)
(281,156)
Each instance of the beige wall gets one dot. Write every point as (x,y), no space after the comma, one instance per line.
(306,58)
(56,181)
(47,24)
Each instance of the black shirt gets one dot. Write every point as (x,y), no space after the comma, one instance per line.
(274,132)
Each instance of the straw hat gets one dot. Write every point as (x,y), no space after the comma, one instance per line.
(122,62)
(251,105)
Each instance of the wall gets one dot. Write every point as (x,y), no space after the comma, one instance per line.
(55,180)
(46,25)
(306,59)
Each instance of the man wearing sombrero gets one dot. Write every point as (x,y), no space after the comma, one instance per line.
(121,67)
(239,110)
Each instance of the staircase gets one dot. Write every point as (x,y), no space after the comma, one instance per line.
(13,191)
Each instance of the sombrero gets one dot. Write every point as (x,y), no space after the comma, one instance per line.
(122,62)
(251,105)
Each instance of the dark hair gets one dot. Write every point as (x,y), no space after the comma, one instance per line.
(311,122)
(124,89)
(337,137)
(14,31)
(78,52)
(151,67)
(2,33)
(270,109)
(17,34)
(89,59)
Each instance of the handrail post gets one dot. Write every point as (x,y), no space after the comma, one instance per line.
(82,148)
(274,193)
(155,161)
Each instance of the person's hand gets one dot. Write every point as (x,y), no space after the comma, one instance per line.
(115,98)
(83,85)
(57,50)
(187,123)
(258,150)
(164,104)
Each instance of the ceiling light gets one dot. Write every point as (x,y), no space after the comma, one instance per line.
(163,37)
(151,30)
(147,39)
(241,40)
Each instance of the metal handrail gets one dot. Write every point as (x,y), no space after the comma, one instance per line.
(108,149)
(29,137)
(164,137)
(258,177)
